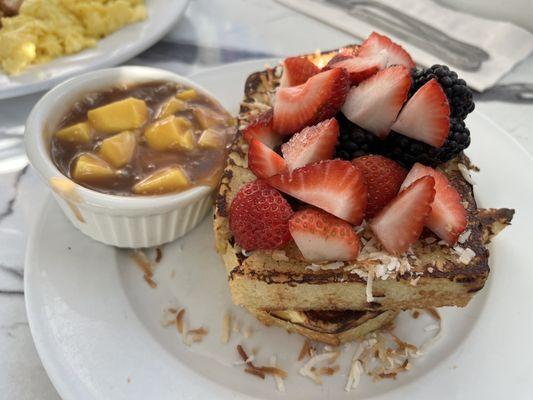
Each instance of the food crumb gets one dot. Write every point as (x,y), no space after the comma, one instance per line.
(158,254)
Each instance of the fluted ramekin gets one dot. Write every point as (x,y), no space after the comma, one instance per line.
(122,221)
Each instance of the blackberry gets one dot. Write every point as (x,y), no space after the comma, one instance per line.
(408,151)
(458,93)
(355,141)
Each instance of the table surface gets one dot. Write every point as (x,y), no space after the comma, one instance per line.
(210,34)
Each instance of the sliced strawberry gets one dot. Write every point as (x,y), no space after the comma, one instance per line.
(322,237)
(383,179)
(335,186)
(376,102)
(314,143)
(426,116)
(259,217)
(400,223)
(261,129)
(359,68)
(316,100)
(395,53)
(448,216)
(263,161)
(297,70)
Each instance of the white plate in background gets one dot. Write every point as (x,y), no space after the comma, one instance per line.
(111,50)
(96,323)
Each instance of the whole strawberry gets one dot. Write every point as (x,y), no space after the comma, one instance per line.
(383,178)
(259,217)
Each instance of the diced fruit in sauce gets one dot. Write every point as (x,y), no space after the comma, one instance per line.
(448,216)
(122,115)
(188,94)
(207,118)
(297,70)
(376,102)
(171,133)
(396,55)
(171,107)
(335,186)
(318,99)
(118,149)
(400,223)
(263,161)
(77,133)
(383,179)
(260,128)
(163,181)
(211,138)
(259,217)
(426,116)
(89,167)
(314,143)
(322,237)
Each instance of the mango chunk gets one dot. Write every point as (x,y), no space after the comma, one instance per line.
(208,118)
(77,133)
(122,115)
(163,181)
(118,149)
(210,138)
(172,106)
(171,133)
(189,94)
(89,167)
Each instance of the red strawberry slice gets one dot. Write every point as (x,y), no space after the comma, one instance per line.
(426,116)
(448,216)
(259,217)
(263,161)
(297,70)
(314,143)
(395,53)
(400,223)
(261,129)
(376,102)
(383,179)
(359,68)
(316,100)
(335,186)
(322,237)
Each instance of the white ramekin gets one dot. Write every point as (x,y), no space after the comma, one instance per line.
(133,222)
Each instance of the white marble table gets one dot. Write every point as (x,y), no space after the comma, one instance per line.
(210,34)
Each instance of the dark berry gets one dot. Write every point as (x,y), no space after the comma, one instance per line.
(458,93)
(355,141)
(408,151)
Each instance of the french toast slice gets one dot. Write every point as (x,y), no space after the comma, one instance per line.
(431,275)
(330,327)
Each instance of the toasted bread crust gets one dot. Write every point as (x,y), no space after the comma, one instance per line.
(284,280)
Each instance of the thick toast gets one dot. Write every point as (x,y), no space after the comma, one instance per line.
(431,275)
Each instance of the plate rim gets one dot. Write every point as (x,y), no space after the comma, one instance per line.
(100,61)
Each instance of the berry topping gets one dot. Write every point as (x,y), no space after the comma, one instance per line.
(383,180)
(400,223)
(259,217)
(355,141)
(376,102)
(322,237)
(359,68)
(407,151)
(261,129)
(448,216)
(458,93)
(335,186)
(314,143)
(316,100)
(297,70)
(396,55)
(426,116)
(263,161)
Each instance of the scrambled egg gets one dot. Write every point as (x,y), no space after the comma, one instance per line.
(46,29)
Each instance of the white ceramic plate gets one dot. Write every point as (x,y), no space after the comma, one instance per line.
(112,50)
(96,323)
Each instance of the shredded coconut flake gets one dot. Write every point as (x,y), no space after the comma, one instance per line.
(313,267)
(463,169)
(279,255)
(463,237)
(279,380)
(465,254)
(307,369)
(369,282)
(431,328)
(226,328)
